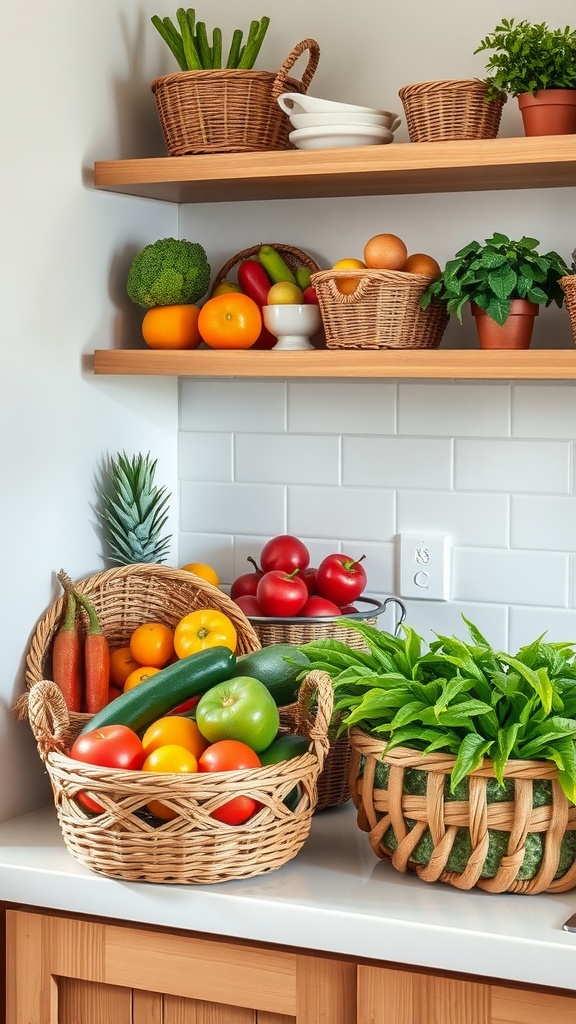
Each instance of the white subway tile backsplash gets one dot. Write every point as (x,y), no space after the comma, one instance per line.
(205,456)
(216,550)
(543,524)
(232,405)
(544,410)
(479,520)
(379,563)
(396,462)
(453,409)
(510,577)
(342,407)
(509,465)
(526,624)
(232,508)
(340,512)
(287,458)
(445,617)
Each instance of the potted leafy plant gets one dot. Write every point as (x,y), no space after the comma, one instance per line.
(464,759)
(537,64)
(505,282)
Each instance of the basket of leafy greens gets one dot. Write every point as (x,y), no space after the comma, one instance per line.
(463,763)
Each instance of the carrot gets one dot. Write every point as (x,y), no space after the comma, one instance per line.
(96,659)
(66,657)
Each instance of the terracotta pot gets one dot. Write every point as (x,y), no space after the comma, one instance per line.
(548,112)
(516,332)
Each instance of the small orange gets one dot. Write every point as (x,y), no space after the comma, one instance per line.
(122,663)
(206,572)
(152,643)
(172,326)
(420,263)
(139,675)
(230,320)
(385,252)
(347,285)
(177,729)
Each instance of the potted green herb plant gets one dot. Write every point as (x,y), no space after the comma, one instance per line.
(463,757)
(505,282)
(537,64)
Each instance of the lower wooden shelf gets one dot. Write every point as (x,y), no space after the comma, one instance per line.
(467,364)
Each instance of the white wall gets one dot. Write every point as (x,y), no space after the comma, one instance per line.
(350,465)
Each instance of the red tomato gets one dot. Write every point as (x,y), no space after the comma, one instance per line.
(319,606)
(229,756)
(281,593)
(340,578)
(248,604)
(285,553)
(112,746)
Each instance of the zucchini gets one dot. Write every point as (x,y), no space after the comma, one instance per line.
(271,666)
(163,691)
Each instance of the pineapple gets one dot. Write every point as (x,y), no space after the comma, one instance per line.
(134,511)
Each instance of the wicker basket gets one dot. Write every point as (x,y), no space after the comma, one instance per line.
(520,839)
(125,841)
(230,110)
(446,111)
(291,255)
(333,788)
(125,597)
(568,285)
(382,312)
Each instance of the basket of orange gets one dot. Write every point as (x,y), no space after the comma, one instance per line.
(375,302)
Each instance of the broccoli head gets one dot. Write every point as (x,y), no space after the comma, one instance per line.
(168,272)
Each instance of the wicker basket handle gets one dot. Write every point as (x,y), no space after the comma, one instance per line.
(365,284)
(280,82)
(289,252)
(316,688)
(48,716)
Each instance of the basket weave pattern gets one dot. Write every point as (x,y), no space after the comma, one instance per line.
(229,110)
(121,842)
(568,285)
(383,311)
(450,110)
(382,808)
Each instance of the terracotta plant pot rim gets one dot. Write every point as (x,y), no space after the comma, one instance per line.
(557,96)
(518,307)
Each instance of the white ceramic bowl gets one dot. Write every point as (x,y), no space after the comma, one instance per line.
(334,118)
(296,103)
(293,325)
(340,136)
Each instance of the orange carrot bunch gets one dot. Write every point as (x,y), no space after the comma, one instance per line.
(84,680)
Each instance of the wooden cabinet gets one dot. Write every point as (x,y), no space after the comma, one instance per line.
(403,168)
(64,969)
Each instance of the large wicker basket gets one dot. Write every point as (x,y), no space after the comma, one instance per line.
(230,110)
(125,841)
(382,312)
(568,286)
(520,838)
(446,111)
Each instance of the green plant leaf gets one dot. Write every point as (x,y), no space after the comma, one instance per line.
(473,749)
(503,282)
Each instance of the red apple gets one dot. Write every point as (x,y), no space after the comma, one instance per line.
(247,582)
(340,578)
(349,609)
(319,606)
(248,604)
(309,577)
(281,593)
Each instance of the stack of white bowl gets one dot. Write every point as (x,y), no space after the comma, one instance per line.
(326,124)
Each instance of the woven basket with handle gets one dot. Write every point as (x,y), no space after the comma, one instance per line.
(520,838)
(230,110)
(382,312)
(446,111)
(292,256)
(125,841)
(568,286)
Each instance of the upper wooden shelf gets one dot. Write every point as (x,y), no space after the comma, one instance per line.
(537,364)
(397,169)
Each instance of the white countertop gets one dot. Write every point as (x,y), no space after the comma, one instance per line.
(334,896)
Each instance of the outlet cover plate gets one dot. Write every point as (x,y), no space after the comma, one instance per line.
(424,566)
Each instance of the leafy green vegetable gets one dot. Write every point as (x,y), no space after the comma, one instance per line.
(191,48)
(528,57)
(462,698)
(168,272)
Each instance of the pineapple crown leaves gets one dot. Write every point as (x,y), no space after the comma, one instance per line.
(135,511)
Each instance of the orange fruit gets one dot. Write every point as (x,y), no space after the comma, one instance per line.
(230,321)
(420,263)
(206,572)
(172,326)
(122,663)
(346,285)
(385,252)
(139,675)
(169,758)
(152,643)
(177,729)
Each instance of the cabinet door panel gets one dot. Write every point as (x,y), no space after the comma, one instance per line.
(92,1003)
(146,1008)
(404,998)
(274,1018)
(196,1011)
(325,991)
(514,1006)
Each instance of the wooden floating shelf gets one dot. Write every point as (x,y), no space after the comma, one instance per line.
(397,169)
(538,364)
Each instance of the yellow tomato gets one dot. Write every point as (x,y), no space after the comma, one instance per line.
(170,758)
(205,571)
(139,675)
(202,629)
(174,729)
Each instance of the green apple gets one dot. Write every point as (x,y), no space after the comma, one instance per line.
(242,709)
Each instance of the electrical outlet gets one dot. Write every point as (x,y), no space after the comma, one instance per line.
(424,563)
